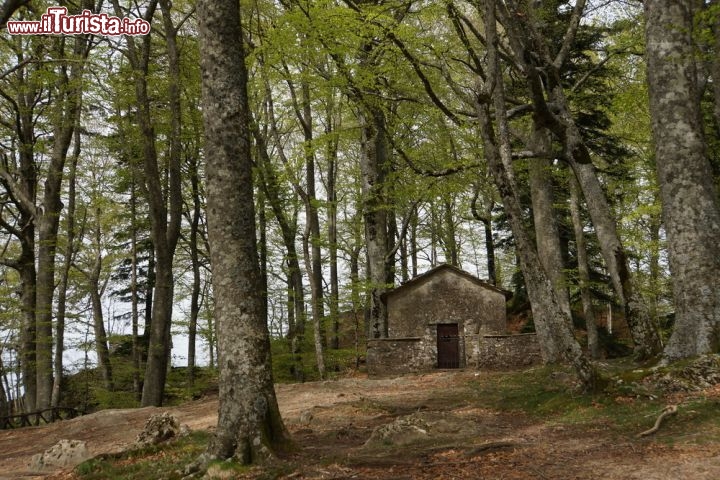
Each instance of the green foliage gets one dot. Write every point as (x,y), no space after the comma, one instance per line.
(179,390)
(285,363)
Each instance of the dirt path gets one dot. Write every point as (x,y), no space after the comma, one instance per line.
(413,427)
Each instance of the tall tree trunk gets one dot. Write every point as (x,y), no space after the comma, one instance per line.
(332,154)
(249,423)
(374,165)
(27,301)
(95,290)
(452,255)
(486,218)
(67,103)
(165,213)
(137,344)
(64,275)
(313,253)
(101,341)
(543,77)
(543,299)
(296,296)
(195,259)
(5,393)
(715,65)
(414,244)
(644,334)
(689,195)
(583,271)
(547,234)
(23,193)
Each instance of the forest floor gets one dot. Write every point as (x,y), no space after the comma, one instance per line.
(441,425)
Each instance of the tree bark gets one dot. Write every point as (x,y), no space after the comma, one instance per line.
(715,65)
(101,342)
(689,195)
(311,239)
(373,170)
(332,150)
(486,218)
(249,423)
(547,234)
(583,271)
(137,345)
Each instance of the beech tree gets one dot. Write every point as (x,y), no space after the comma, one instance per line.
(249,423)
(690,204)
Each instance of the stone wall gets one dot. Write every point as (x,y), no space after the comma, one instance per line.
(392,356)
(503,351)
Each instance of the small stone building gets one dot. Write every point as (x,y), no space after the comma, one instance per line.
(447,318)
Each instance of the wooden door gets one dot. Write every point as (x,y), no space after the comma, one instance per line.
(448,345)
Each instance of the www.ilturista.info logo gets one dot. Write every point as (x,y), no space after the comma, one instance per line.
(57,22)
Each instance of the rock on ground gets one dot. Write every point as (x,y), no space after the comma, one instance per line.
(65,453)
(160,428)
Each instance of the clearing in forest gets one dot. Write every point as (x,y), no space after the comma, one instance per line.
(441,425)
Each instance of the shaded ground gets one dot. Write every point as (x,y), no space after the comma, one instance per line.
(433,426)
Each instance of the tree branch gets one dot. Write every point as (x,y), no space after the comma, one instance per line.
(23,202)
(570,34)
(423,79)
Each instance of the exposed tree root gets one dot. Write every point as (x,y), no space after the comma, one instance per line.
(667,411)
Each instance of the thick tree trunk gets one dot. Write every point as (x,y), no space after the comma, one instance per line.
(249,423)
(543,77)
(644,334)
(689,195)
(715,65)
(24,196)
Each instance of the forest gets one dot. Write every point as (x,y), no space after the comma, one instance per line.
(263,172)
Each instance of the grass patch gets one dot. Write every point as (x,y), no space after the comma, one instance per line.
(157,462)
(549,393)
(291,368)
